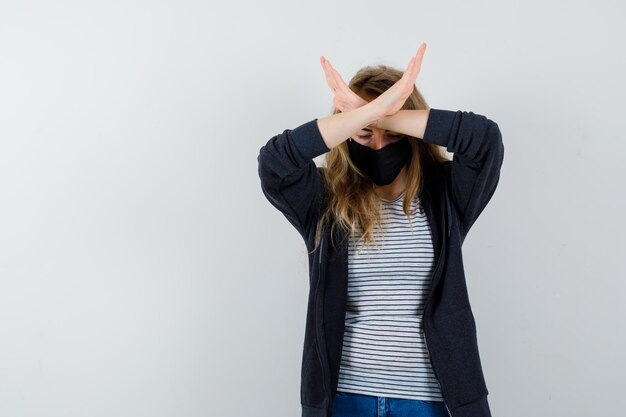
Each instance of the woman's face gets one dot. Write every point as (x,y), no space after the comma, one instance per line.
(376,138)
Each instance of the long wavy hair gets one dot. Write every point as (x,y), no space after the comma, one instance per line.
(352,202)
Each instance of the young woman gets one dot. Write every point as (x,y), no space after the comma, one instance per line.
(389,328)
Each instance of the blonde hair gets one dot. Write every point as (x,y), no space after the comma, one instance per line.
(352,202)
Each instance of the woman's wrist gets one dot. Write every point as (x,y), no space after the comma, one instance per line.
(377,114)
(338,127)
(380,123)
(408,122)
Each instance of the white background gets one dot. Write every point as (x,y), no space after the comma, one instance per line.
(142,271)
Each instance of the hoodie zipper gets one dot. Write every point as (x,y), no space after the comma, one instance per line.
(447,204)
(318,322)
(433,366)
(424,329)
(448,227)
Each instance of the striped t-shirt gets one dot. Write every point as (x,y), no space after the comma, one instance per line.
(384,352)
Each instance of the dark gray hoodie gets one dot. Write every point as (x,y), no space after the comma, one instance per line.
(453,195)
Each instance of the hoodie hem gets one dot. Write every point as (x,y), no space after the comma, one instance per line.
(477,408)
(308,411)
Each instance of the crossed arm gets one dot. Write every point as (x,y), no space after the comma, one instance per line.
(292,182)
(340,126)
(382,112)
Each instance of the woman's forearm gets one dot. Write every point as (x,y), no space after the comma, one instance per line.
(338,127)
(408,122)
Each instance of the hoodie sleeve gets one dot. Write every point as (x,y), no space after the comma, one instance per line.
(290,180)
(478,150)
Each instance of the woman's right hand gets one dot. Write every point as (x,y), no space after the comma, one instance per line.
(343,97)
(392,100)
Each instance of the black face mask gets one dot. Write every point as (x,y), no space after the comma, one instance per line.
(382,165)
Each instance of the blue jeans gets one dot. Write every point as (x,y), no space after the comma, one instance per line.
(348,404)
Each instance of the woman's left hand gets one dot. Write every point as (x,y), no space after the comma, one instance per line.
(344,98)
(393,98)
